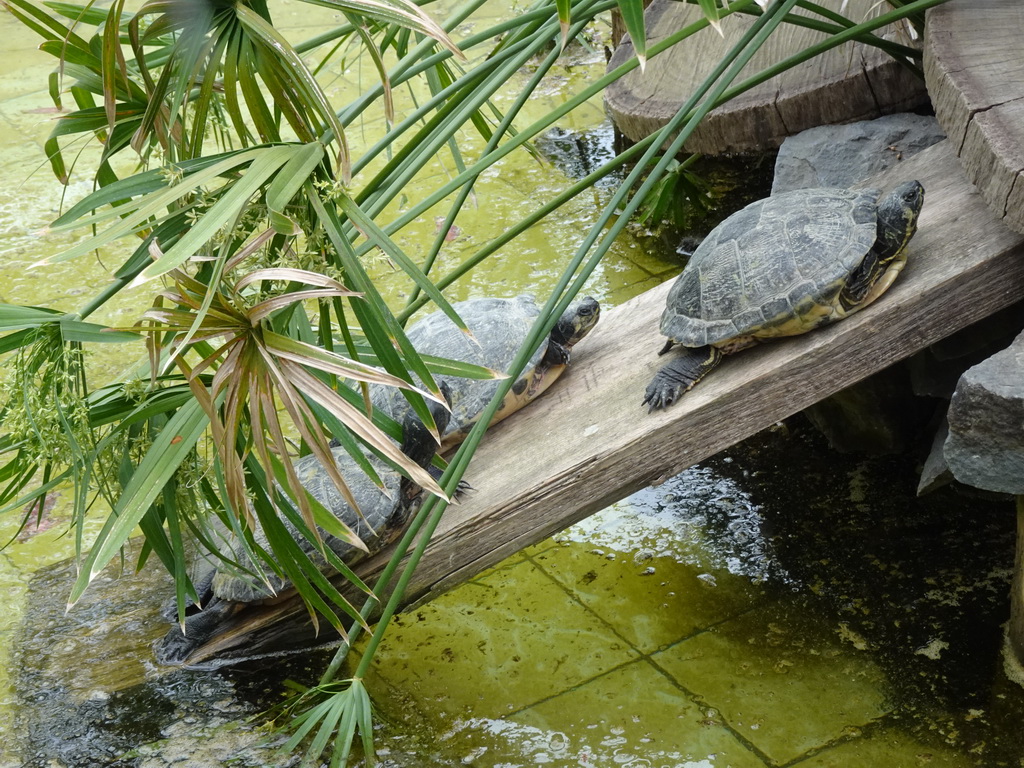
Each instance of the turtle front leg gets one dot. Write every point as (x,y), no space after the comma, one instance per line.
(680,375)
(556,354)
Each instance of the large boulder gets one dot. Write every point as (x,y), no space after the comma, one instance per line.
(842,155)
(985,446)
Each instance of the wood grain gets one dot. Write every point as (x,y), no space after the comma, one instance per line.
(974,69)
(852,82)
(588,443)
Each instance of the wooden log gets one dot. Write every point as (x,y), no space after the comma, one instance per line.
(851,82)
(974,69)
(588,443)
(1014,651)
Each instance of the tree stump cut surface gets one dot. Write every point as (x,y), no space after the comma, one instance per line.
(851,82)
(974,68)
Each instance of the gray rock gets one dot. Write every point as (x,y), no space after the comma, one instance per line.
(985,447)
(842,155)
(935,472)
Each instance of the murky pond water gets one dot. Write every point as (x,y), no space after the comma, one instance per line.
(780,605)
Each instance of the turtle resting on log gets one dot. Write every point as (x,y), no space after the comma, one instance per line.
(499,327)
(244,618)
(780,267)
(239,616)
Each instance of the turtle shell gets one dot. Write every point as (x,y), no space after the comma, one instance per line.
(499,327)
(374,527)
(773,268)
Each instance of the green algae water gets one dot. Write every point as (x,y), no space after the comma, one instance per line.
(780,605)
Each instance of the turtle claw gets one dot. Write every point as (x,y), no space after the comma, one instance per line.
(461,490)
(679,375)
(661,397)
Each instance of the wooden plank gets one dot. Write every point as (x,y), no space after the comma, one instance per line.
(588,442)
(974,69)
(852,82)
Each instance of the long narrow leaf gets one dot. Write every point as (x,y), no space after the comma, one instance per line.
(377,236)
(15,316)
(152,206)
(399,12)
(633,17)
(161,461)
(227,207)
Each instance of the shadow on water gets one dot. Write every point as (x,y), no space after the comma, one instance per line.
(920,580)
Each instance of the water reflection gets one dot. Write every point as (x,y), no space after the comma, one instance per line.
(699,518)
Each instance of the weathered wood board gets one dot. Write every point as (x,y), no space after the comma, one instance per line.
(851,82)
(588,442)
(974,69)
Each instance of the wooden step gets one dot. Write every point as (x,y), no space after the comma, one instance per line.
(974,68)
(849,82)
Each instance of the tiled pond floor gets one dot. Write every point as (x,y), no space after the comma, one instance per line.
(802,616)
(781,605)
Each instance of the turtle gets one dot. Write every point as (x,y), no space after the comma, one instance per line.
(782,266)
(499,326)
(216,624)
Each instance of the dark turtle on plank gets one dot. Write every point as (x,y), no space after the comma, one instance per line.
(220,626)
(499,327)
(780,267)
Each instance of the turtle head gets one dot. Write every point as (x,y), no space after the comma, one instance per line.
(419,443)
(897,219)
(576,322)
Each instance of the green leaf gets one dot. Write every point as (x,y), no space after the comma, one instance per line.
(92,17)
(14,316)
(405,14)
(564,8)
(379,237)
(175,441)
(137,185)
(633,17)
(379,326)
(139,213)
(32,17)
(293,175)
(16,340)
(73,329)
(289,64)
(710,10)
(229,203)
(71,54)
